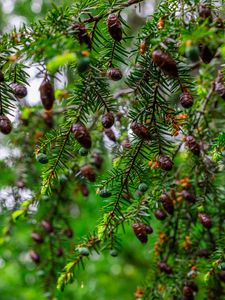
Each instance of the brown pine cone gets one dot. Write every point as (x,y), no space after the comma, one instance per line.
(84,190)
(88,172)
(188,196)
(47,226)
(108,120)
(81,34)
(59,252)
(160,215)
(206,53)
(204,253)
(48,119)
(167,203)
(5,125)
(97,160)
(219,86)
(140,130)
(165,163)
(164,267)
(192,145)
(114,74)
(37,237)
(47,94)
(186,100)
(68,232)
(205,12)
(19,90)
(205,220)
(2,77)
(192,285)
(110,134)
(222,275)
(141,231)
(35,256)
(166,63)
(82,135)
(115,27)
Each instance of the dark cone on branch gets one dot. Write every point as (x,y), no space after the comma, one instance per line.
(192,145)
(165,163)
(5,125)
(59,252)
(219,86)
(205,12)
(166,63)
(108,120)
(47,94)
(205,220)
(19,90)
(37,237)
(222,276)
(110,134)
(114,74)
(206,53)
(2,77)
(115,27)
(167,203)
(140,130)
(81,34)
(82,135)
(68,232)
(141,231)
(47,226)
(35,256)
(204,253)
(160,215)
(88,172)
(188,293)
(186,100)
(164,267)
(188,196)
(97,160)
(84,190)
(48,119)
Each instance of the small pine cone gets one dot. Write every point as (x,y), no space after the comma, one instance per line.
(165,163)
(219,86)
(48,119)
(19,90)
(205,220)
(68,232)
(140,130)
(114,74)
(37,237)
(188,196)
(192,285)
(115,27)
(163,267)
(59,252)
(5,125)
(188,293)
(205,12)
(193,145)
(88,172)
(186,100)
(35,256)
(81,34)
(82,135)
(84,190)
(141,231)
(2,77)
(97,160)
(47,94)
(166,63)
(222,276)
(206,54)
(108,120)
(110,134)
(47,226)
(204,253)
(160,215)
(167,203)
